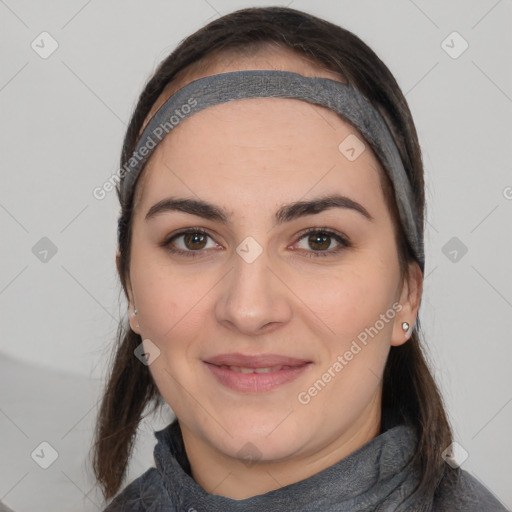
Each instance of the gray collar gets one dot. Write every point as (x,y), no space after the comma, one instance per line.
(377,476)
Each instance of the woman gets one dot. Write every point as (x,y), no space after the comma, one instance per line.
(271,251)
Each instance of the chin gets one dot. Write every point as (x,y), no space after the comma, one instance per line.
(261,436)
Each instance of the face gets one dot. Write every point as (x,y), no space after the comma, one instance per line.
(272,321)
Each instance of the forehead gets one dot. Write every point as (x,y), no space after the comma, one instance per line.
(263,56)
(260,152)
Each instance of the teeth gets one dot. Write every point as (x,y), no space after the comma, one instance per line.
(264,370)
(268,369)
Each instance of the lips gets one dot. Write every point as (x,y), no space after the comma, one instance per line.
(255,374)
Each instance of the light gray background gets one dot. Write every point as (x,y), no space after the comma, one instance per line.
(63,119)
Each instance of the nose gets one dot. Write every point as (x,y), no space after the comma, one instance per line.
(253,299)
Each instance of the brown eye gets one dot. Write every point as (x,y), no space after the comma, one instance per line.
(319,242)
(194,241)
(190,242)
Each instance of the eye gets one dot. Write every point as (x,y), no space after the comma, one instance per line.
(320,240)
(189,242)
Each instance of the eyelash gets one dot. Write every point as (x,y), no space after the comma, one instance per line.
(342,240)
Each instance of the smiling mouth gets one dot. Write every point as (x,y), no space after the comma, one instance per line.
(255,374)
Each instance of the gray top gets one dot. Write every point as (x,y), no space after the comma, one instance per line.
(377,477)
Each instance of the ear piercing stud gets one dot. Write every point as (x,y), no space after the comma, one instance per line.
(405,326)
(134,313)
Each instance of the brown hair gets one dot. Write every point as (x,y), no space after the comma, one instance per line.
(409,389)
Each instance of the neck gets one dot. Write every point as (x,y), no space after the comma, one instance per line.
(226,476)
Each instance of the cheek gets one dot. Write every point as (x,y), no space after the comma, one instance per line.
(348,303)
(169,316)
(359,309)
(360,312)
(173,305)
(158,294)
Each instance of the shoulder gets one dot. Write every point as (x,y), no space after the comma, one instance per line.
(460,491)
(144,494)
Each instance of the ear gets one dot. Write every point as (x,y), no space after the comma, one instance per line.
(134,324)
(410,299)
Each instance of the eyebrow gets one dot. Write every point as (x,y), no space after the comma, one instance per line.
(284,214)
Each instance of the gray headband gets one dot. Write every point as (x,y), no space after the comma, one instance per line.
(343,99)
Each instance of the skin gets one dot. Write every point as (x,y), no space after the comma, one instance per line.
(250,158)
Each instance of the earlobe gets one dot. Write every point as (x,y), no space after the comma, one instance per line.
(134,323)
(410,299)
(132,310)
